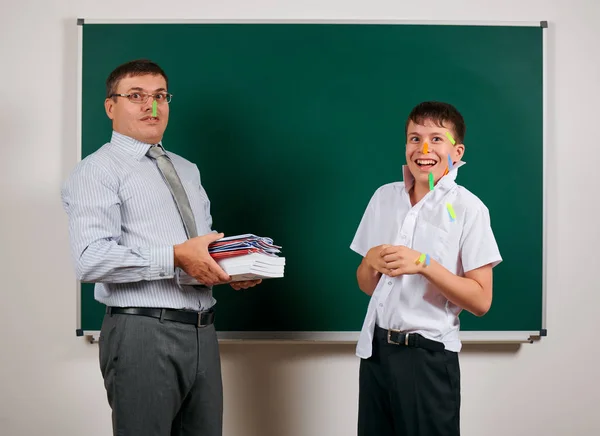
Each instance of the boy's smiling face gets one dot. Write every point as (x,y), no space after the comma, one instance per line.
(433,158)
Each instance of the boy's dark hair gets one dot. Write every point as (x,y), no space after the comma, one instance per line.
(138,67)
(440,113)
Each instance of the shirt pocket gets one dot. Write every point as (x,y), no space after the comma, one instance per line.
(433,240)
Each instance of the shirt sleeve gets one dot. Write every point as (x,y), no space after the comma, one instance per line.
(478,245)
(90,198)
(366,234)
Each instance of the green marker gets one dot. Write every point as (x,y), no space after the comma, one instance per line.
(431,181)
(450,138)
(154,105)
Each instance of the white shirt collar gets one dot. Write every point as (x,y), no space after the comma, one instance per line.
(446,181)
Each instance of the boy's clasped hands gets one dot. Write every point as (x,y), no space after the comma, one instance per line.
(394,260)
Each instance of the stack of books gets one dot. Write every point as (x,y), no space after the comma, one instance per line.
(248,257)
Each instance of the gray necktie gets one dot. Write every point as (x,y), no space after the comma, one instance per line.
(174,182)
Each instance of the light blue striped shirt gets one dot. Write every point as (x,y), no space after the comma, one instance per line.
(123,224)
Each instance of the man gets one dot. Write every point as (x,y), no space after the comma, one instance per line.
(135,216)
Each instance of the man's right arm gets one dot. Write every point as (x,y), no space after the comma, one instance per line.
(193,258)
(90,198)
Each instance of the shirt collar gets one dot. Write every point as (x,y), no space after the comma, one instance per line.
(445,182)
(135,148)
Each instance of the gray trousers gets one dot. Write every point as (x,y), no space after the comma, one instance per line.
(162,378)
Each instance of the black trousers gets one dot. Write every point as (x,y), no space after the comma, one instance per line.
(406,391)
(161,378)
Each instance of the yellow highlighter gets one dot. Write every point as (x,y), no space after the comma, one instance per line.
(451,211)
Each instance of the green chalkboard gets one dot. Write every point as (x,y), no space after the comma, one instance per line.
(294,126)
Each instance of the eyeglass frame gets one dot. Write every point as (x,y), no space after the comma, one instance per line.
(167,100)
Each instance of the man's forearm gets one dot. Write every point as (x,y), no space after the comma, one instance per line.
(107,262)
(367,278)
(464,292)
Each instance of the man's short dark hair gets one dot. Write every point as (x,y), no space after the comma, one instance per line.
(138,67)
(441,114)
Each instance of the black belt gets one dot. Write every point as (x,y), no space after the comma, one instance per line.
(396,337)
(199,319)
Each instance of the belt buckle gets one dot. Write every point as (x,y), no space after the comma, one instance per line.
(389,337)
(390,341)
(201,315)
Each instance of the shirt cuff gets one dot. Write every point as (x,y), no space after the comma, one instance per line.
(162,263)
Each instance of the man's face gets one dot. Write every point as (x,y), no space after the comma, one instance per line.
(423,160)
(135,119)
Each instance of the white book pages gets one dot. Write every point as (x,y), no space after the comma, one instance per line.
(253,266)
(250,259)
(253,276)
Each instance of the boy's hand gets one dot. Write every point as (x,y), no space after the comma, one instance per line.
(375,260)
(399,260)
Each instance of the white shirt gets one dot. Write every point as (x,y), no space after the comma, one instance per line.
(410,303)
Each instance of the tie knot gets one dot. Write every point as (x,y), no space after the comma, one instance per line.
(155,151)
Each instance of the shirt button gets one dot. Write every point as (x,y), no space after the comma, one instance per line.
(380,304)
(162,274)
(390,283)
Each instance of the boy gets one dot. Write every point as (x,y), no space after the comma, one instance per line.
(428,252)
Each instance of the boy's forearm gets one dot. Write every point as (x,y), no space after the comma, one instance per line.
(367,278)
(464,292)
